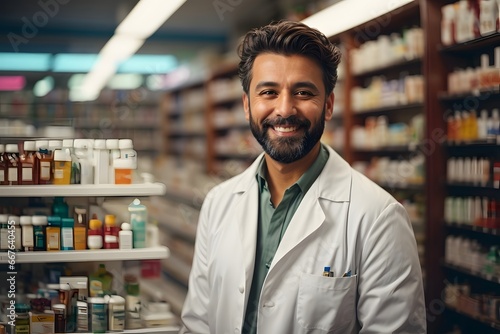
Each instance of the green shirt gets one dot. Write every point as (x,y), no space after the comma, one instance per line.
(272,225)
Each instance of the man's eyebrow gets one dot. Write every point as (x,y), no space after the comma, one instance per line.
(300,84)
(263,84)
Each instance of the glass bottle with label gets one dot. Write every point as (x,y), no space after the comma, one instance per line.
(43,162)
(12,159)
(53,233)
(27,162)
(110,232)
(39,232)
(3,166)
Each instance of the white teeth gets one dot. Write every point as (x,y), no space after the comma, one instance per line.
(282,129)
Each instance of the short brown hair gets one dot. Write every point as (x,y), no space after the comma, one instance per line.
(288,38)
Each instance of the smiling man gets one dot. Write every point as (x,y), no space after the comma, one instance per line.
(266,237)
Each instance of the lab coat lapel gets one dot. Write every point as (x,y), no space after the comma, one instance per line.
(307,219)
(246,216)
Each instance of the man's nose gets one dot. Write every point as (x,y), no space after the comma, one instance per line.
(285,106)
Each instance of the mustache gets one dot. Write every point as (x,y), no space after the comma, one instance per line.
(289,121)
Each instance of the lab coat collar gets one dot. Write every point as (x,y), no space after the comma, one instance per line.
(334,182)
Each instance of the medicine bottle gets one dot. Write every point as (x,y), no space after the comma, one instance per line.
(62,167)
(13,167)
(138,220)
(83,151)
(22,319)
(3,165)
(123,171)
(98,320)
(67,145)
(125,236)
(27,162)
(60,207)
(80,229)
(114,153)
(116,313)
(28,241)
(43,162)
(67,225)
(94,234)
(101,162)
(132,303)
(53,233)
(110,232)
(60,318)
(39,232)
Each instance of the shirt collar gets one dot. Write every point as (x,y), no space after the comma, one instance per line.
(306,180)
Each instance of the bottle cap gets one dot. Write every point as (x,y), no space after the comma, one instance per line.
(112,144)
(109,220)
(11,148)
(55,144)
(29,145)
(81,143)
(15,219)
(67,143)
(2,148)
(125,144)
(41,144)
(124,164)
(126,227)
(95,224)
(100,144)
(39,220)
(61,155)
(25,220)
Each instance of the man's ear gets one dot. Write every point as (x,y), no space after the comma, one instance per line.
(246,106)
(330,99)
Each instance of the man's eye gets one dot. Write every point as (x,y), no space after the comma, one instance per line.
(304,93)
(268,92)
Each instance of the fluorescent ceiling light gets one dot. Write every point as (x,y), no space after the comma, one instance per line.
(12,83)
(147,16)
(148,64)
(120,47)
(74,62)
(17,61)
(43,87)
(348,14)
(125,81)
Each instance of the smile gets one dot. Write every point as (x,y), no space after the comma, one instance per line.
(285,129)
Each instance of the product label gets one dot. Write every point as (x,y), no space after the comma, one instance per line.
(98,317)
(39,238)
(4,238)
(58,173)
(110,239)
(117,317)
(67,237)
(52,240)
(12,174)
(82,321)
(45,170)
(80,240)
(28,236)
(27,174)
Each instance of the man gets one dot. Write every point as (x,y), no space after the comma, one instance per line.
(265,236)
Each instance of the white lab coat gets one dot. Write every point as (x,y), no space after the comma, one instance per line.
(345,221)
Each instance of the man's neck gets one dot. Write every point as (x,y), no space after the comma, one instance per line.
(281,176)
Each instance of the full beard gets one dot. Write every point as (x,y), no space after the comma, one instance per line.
(288,149)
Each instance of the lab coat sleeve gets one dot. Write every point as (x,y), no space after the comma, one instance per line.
(391,297)
(194,315)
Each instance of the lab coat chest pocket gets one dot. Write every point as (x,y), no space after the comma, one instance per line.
(326,304)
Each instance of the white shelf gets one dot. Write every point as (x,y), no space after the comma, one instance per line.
(159,330)
(89,255)
(84,190)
